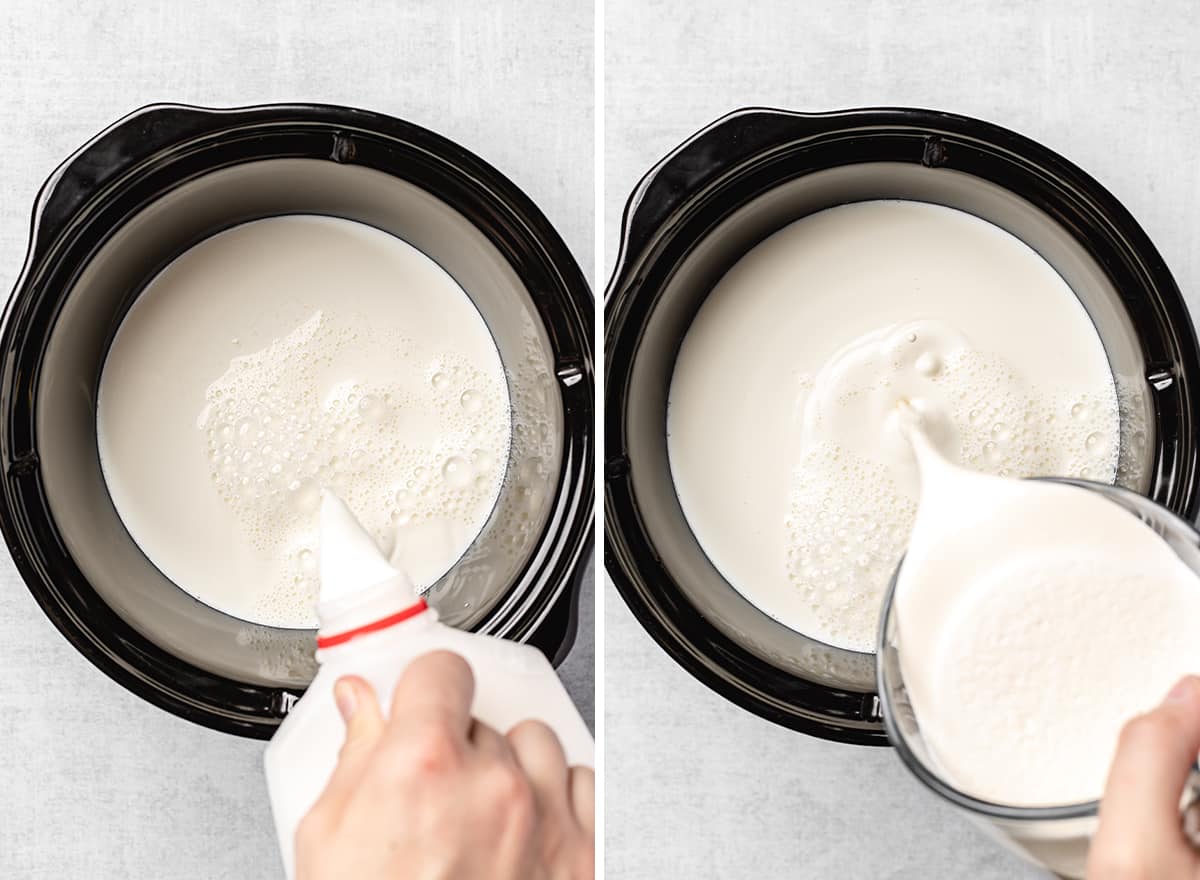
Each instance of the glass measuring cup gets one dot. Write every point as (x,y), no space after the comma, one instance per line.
(1054,837)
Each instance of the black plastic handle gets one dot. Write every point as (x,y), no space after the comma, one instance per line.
(555,635)
(109,156)
(700,160)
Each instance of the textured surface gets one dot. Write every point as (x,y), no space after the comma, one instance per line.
(97,783)
(698,788)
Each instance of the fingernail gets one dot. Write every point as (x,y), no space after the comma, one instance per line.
(1181,691)
(347,701)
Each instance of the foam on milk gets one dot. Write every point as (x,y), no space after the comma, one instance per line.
(854,481)
(287,356)
(791,370)
(1034,619)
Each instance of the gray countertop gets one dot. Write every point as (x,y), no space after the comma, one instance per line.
(98,784)
(697,787)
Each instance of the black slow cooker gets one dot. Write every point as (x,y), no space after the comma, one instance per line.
(133,199)
(743,178)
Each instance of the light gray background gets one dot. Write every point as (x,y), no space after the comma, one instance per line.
(97,784)
(695,786)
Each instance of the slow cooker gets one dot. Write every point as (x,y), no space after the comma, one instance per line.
(743,178)
(168,176)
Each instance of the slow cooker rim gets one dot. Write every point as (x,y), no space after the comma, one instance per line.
(133,666)
(651,593)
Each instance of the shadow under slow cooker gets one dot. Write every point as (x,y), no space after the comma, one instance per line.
(726,190)
(519,577)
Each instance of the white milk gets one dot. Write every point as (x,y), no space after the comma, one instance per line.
(287,355)
(793,366)
(373,625)
(1033,620)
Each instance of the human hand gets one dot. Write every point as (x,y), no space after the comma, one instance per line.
(1140,835)
(432,794)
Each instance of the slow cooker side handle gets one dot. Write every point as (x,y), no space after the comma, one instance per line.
(112,154)
(555,635)
(702,159)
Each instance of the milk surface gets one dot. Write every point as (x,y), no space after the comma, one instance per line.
(1034,619)
(787,379)
(283,357)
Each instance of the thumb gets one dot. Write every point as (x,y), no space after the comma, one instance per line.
(1140,822)
(360,710)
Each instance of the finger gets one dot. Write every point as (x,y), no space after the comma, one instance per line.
(436,689)
(1151,766)
(360,711)
(487,742)
(581,787)
(541,756)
